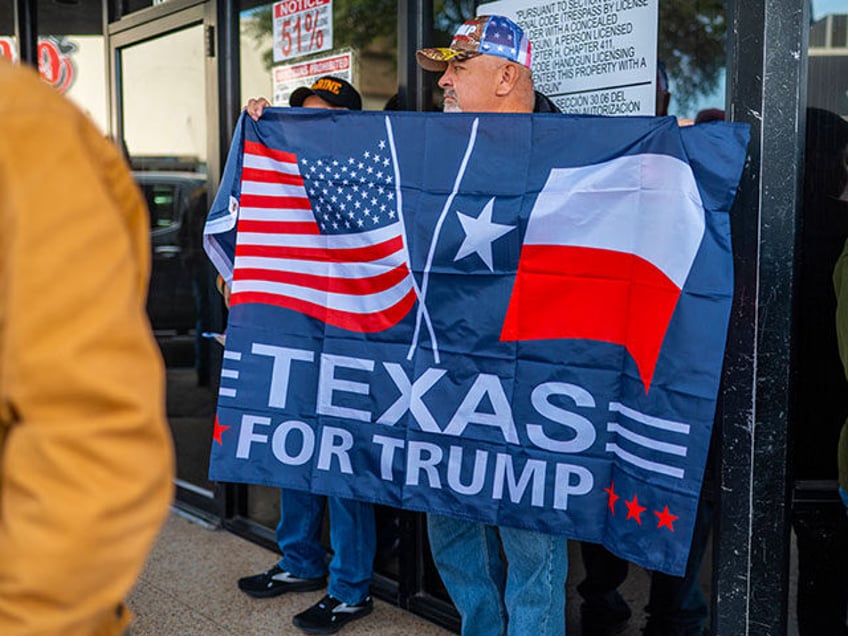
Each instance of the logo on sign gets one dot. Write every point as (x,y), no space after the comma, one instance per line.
(54,60)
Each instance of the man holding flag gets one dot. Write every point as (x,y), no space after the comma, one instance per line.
(487,69)
(521,337)
(352,530)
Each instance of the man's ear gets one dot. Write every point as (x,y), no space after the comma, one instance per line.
(508,75)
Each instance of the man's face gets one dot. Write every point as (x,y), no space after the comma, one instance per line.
(313,101)
(470,85)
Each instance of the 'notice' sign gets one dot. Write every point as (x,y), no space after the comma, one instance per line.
(595,57)
(302,27)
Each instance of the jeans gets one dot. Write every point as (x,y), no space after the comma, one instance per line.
(525,595)
(352,537)
(676,604)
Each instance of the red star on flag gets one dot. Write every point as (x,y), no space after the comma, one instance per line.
(634,510)
(612,497)
(219,429)
(665,518)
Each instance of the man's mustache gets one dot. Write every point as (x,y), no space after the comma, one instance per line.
(449,93)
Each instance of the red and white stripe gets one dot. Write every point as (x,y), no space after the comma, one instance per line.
(357,281)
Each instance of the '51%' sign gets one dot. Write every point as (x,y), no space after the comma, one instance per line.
(302,27)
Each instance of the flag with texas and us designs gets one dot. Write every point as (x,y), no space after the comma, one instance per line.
(514,319)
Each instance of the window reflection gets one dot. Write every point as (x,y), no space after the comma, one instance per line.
(820,528)
(164,124)
(164,88)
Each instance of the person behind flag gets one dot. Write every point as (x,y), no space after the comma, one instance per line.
(486,68)
(328,92)
(352,523)
(86,459)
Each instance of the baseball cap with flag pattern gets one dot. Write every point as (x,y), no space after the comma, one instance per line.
(483,35)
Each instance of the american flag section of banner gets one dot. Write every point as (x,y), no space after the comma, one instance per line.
(515,319)
(322,237)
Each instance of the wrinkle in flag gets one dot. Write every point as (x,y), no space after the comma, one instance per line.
(513,319)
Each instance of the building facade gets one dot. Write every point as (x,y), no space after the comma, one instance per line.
(168,78)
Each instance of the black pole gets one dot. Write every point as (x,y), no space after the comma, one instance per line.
(415,30)
(26,31)
(765,87)
(229,73)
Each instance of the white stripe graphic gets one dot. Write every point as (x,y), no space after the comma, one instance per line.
(321,241)
(323,269)
(266,189)
(650,420)
(628,205)
(261,162)
(276,214)
(357,304)
(647,442)
(654,467)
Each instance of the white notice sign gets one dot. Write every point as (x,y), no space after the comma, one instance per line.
(288,78)
(596,57)
(302,27)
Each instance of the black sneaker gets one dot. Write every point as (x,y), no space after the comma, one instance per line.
(329,615)
(277,581)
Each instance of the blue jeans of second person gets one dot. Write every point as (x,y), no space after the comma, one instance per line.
(525,595)
(352,537)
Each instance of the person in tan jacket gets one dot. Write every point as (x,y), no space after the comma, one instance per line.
(86,462)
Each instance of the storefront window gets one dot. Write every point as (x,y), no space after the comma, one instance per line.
(70,52)
(167,121)
(71,56)
(355,40)
(818,600)
(163,88)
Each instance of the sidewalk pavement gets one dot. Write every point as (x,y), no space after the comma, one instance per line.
(188,588)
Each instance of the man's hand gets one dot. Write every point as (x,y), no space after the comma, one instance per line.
(255,107)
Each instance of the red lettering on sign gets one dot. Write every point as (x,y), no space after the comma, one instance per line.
(7,49)
(287,7)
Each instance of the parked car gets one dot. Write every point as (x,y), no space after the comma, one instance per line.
(177,204)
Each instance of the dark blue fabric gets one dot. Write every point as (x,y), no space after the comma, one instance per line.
(354,448)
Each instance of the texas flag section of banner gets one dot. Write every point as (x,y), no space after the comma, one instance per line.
(514,319)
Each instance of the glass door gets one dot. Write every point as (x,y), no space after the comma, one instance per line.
(160,95)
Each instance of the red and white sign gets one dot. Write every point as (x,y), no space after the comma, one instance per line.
(54,60)
(302,27)
(288,78)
